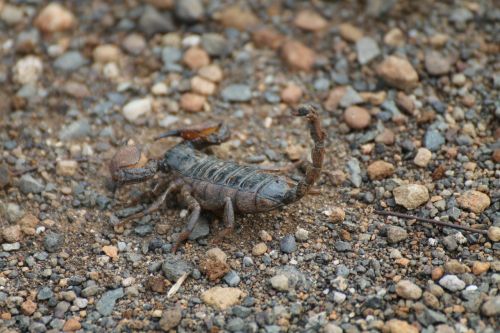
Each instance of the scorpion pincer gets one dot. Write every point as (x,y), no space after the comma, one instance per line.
(206,182)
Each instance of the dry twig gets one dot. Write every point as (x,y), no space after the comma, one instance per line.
(435,222)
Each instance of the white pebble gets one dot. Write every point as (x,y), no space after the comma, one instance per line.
(136,108)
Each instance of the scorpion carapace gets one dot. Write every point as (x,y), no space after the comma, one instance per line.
(206,182)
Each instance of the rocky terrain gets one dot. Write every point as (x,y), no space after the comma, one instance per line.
(408,92)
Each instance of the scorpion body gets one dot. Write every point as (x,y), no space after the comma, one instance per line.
(250,189)
(206,182)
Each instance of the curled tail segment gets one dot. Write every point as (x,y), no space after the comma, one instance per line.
(313,170)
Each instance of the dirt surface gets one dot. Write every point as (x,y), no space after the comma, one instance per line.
(408,94)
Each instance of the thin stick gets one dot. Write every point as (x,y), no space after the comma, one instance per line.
(177,285)
(423,219)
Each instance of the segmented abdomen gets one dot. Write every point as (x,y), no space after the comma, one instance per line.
(225,173)
(212,180)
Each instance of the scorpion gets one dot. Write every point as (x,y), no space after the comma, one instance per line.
(206,182)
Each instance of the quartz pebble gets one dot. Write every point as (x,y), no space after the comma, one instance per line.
(310,21)
(474,201)
(137,108)
(192,102)
(423,157)
(411,196)
(222,298)
(408,290)
(398,73)
(259,249)
(54,18)
(28,70)
(452,283)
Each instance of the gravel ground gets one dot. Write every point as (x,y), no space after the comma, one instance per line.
(409,97)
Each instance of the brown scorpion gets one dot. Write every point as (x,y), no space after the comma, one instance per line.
(205,182)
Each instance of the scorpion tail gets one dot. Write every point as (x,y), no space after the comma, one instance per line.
(313,170)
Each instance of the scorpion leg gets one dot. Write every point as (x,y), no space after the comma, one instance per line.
(195,209)
(155,192)
(228,218)
(155,205)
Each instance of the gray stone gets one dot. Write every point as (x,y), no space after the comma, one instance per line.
(70,61)
(171,55)
(431,317)
(396,234)
(436,63)
(302,234)
(152,21)
(44,293)
(53,241)
(237,93)
(235,325)
(433,140)
(454,213)
(90,291)
(288,244)
(11,15)
(351,97)
(241,311)
(81,302)
(57,324)
(189,10)
(13,212)
(75,130)
(452,283)
(37,327)
(8,247)
(339,297)
(215,44)
(354,172)
(170,318)
(342,270)
(491,307)
(342,246)
(332,328)
(143,230)
(450,243)
(247,262)
(461,15)
(61,309)
(201,229)
(367,50)
(28,184)
(174,267)
(295,277)
(107,302)
(232,278)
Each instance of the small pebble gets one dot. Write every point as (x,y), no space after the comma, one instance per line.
(398,73)
(302,234)
(259,249)
(288,244)
(357,117)
(423,157)
(411,196)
